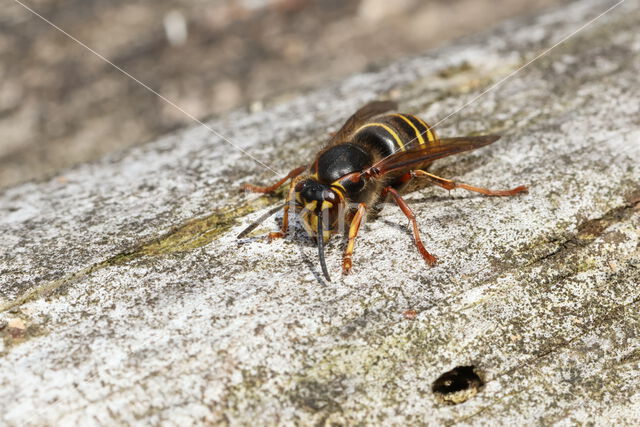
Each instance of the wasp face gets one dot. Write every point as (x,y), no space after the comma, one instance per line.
(317,201)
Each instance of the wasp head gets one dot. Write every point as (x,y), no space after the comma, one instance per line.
(320,207)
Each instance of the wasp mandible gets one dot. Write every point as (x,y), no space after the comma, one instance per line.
(370,159)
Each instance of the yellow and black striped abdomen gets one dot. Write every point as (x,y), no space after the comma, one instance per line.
(391,133)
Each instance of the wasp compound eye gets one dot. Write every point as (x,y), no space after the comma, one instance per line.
(330,196)
(301,185)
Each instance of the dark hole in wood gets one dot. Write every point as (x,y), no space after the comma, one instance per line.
(457,385)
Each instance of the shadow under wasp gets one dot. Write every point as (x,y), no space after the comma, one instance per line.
(369,160)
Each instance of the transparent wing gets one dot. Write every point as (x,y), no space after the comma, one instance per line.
(427,153)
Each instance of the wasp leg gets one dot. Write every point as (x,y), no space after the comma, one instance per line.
(450,185)
(256,189)
(353,232)
(285,218)
(431,260)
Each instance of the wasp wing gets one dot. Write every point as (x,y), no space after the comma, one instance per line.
(360,117)
(404,160)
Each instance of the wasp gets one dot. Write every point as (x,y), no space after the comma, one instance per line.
(369,160)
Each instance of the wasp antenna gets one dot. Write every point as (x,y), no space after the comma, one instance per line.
(320,239)
(259,221)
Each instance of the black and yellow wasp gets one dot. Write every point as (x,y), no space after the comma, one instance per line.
(371,158)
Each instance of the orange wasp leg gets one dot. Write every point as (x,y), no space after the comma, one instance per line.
(285,217)
(450,185)
(431,260)
(256,189)
(353,233)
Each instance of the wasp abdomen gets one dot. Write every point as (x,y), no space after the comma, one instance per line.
(392,133)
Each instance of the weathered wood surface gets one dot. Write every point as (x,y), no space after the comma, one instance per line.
(127,299)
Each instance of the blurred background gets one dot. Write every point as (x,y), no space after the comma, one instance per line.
(61,105)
